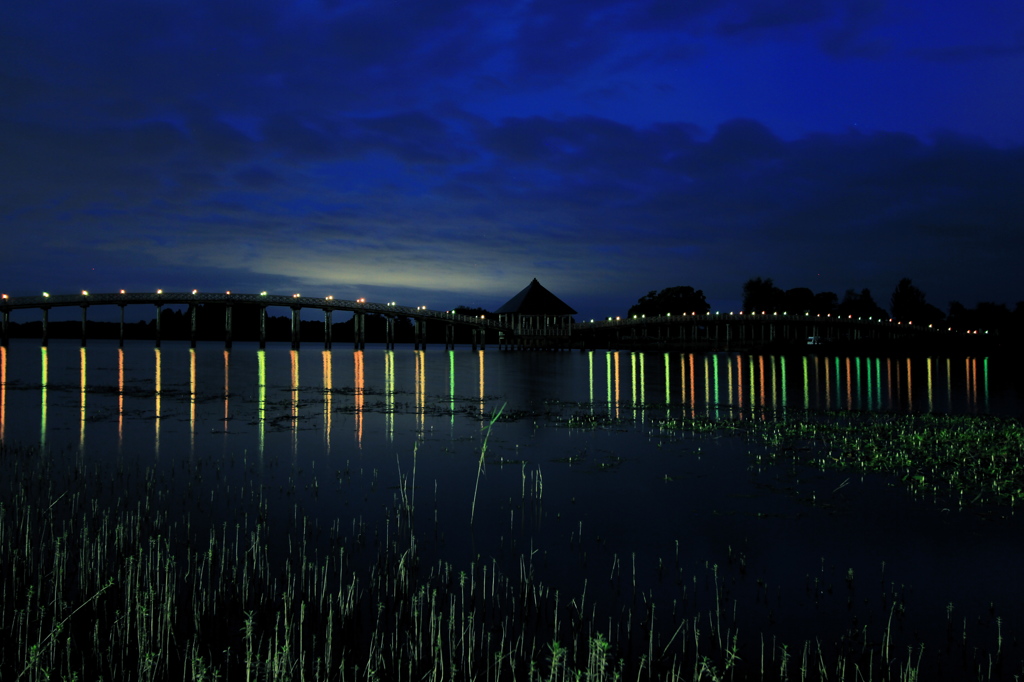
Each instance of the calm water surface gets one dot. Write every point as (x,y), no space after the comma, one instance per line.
(335,434)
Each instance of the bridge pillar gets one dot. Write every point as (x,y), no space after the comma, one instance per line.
(84,307)
(46,326)
(192,325)
(420,334)
(449,336)
(227,327)
(327,328)
(479,338)
(120,328)
(295,327)
(5,318)
(263,327)
(359,330)
(159,309)
(389,332)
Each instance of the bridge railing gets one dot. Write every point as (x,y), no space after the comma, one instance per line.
(195,297)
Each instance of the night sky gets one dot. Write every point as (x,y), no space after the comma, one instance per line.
(446,152)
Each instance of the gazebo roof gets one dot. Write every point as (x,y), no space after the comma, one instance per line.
(536,300)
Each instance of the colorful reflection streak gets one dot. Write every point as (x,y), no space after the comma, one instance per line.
(81,393)
(227,388)
(294,355)
(120,399)
(420,390)
(480,355)
(358,397)
(724,385)
(261,400)
(44,381)
(3,390)
(328,381)
(389,394)
(192,400)
(157,383)
(713,385)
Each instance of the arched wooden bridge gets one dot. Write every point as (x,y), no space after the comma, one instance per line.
(710,331)
(741,331)
(263,300)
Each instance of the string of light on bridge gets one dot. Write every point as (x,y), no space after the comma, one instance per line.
(616,319)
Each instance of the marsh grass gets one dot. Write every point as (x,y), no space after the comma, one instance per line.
(966,460)
(107,574)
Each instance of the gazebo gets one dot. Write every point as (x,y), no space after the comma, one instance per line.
(539,319)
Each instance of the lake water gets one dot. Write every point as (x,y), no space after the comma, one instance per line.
(579,474)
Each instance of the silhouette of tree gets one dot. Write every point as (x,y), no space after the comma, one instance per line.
(799,300)
(825,303)
(474,312)
(762,295)
(861,305)
(908,304)
(986,316)
(671,301)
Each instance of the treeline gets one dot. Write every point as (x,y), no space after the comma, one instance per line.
(907,304)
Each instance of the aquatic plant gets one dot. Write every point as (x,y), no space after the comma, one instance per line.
(118,581)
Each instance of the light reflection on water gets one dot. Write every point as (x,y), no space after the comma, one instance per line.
(716,385)
(282,420)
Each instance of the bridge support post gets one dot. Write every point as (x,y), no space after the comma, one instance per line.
(84,307)
(263,327)
(295,327)
(192,325)
(327,328)
(46,326)
(420,334)
(120,328)
(359,330)
(389,332)
(227,327)
(479,338)
(159,309)
(449,336)
(4,321)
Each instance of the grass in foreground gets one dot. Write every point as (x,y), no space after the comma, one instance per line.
(115,587)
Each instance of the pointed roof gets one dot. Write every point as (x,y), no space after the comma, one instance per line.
(536,300)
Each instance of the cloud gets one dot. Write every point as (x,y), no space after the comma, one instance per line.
(705,141)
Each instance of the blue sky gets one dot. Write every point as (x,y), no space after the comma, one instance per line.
(446,152)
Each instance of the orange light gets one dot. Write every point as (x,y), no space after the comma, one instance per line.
(5,296)
(122,291)
(227,293)
(295,295)
(195,291)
